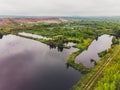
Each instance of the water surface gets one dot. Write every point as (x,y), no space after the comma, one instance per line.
(103,43)
(26,64)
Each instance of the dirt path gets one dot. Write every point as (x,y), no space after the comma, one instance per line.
(98,73)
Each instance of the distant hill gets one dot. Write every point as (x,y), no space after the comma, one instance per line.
(14,21)
(110,18)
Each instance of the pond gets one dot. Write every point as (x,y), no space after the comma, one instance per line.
(27,64)
(103,43)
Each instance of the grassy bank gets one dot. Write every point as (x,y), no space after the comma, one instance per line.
(79,66)
(110,78)
(87,77)
(71,60)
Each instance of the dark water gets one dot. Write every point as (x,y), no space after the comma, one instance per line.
(30,65)
(103,43)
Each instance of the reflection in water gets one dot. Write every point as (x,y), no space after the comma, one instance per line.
(1,36)
(30,65)
(104,42)
(60,49)
(69,44)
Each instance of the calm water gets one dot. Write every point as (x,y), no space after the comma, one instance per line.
(30,65)
(103,43)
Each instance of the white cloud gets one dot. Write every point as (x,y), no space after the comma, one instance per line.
(60,7)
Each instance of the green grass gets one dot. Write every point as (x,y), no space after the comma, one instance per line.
(71,62)
(87,77)
(110,78)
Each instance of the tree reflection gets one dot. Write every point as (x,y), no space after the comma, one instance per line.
(1,36)
(59,48)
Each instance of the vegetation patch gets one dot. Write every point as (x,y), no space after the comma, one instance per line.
(70,62)
(80,85)
(110,78)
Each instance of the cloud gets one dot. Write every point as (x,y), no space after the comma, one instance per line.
(60,7)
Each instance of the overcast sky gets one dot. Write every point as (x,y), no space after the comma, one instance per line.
(60,7)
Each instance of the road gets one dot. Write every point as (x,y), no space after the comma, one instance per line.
(100,70)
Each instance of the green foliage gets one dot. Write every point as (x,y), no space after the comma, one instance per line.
(103,53)
(115,40)
(87,77)
(110,79)
(83,44)
(79,66)
(4,31)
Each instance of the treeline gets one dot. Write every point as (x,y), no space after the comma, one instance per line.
(4,31)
